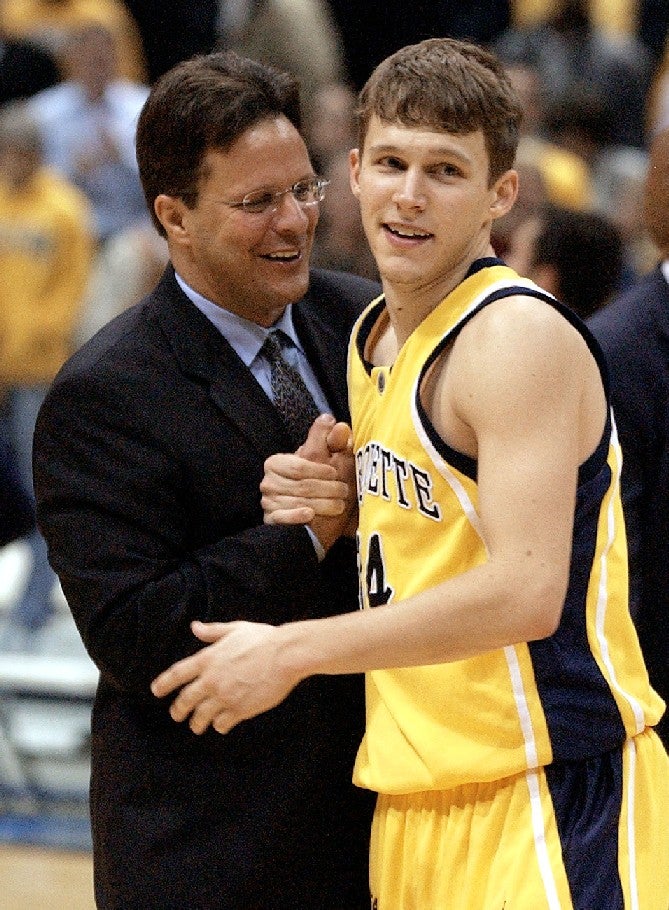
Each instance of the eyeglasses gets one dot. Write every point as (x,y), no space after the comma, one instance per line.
(305,192)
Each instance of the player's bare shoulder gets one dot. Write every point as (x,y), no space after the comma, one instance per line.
(518,358)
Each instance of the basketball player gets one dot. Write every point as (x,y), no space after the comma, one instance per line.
(509,714)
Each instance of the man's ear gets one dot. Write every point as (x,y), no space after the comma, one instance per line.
(354,171)
(170,212)
(505,192)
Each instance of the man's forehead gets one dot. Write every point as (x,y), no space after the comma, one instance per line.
(266,138)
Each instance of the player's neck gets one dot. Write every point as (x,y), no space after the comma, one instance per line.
(410,303)
(408,306)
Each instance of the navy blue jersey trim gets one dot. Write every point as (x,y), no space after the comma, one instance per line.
(366,327)
(373,315)
(485,262)
(587,801)
(581,714)
(459,460)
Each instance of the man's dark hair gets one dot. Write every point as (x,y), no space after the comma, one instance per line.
(204,103)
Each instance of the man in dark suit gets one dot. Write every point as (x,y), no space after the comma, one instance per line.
(149,453)
(634,333)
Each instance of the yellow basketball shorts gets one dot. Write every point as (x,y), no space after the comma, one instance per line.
(591,835)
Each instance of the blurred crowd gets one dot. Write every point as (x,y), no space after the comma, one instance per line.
(77,245)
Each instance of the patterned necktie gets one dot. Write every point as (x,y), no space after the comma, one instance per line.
(292,398)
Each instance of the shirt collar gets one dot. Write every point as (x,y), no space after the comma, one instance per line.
(244,336)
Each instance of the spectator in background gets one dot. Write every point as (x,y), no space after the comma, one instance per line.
(340,242)
(634,333)
(25,69)
(88,127)
(582,124)
(125,269)
(299,36)
(565,174)
(49,24)
(45,254)
(620,180)
(174,30)
(533,195)
(331,127)
(569,50)
(575,256)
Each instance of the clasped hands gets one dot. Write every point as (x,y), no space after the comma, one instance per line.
(314,486)
(244,670)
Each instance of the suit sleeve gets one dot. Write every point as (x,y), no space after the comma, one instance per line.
(633,410)
(634,443)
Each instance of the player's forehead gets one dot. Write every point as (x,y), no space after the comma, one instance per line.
(424,139)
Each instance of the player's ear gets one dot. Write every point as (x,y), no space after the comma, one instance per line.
(505,192)
(354,171)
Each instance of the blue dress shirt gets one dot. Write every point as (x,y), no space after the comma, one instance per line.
(246,338)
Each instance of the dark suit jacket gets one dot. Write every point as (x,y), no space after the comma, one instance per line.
(634,333)
(149,450)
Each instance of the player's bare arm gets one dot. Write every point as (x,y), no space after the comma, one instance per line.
(521,393)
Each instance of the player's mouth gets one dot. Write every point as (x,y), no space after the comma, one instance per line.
(405,233)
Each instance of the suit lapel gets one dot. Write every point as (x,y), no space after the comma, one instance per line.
(327,356)
(202,352)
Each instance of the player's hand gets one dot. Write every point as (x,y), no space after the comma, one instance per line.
(237,676)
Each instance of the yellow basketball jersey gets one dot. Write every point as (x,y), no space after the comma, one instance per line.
(579,693)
